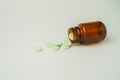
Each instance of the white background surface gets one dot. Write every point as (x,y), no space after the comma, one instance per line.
(25,24)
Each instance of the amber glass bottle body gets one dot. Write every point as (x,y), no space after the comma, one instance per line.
(86,33)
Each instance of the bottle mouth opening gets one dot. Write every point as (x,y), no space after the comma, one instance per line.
(73,35)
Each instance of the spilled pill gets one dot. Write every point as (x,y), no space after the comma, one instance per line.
(60,45)
(66,44)
(55,48)
(38,49)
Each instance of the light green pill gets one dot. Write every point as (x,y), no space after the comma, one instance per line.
(48,45)
(55,48)
(58,44)
(66,44)
(65,47)
(38,49)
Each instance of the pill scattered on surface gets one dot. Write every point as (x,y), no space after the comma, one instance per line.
(55,48)
(66,44)
(48,45)
(60,45)
(38,49)
(65,47)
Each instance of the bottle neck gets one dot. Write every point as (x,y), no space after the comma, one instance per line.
(74,35)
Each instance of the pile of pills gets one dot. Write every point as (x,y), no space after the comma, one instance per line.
(66,44)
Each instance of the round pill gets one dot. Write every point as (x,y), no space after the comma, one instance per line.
(49,45)
(54,47)
(66,44)
(58,44)
(38,49)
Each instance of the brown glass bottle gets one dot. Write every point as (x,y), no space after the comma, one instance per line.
(86,33)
